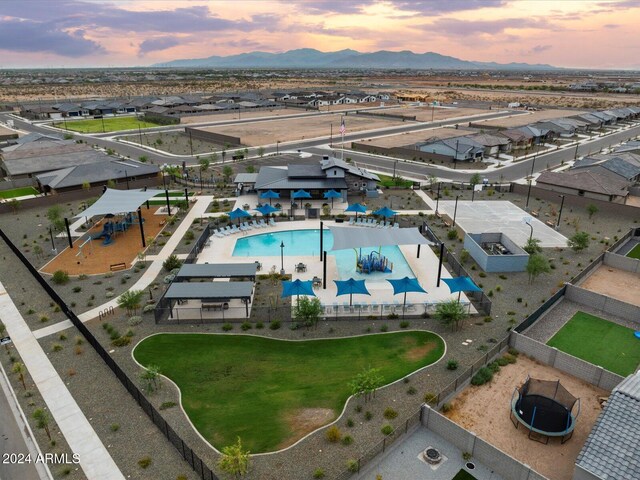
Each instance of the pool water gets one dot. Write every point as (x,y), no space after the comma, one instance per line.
(306,243)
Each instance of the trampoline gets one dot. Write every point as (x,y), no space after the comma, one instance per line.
(545,408)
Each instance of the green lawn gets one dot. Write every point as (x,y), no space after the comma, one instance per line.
(463,475)
(111,124)
(388,181)
(600,342)
(18,192)
(635,252)
(255,387)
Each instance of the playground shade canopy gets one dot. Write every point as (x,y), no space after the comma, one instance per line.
(118,201)
(210,291)
(216,270)
(354,237)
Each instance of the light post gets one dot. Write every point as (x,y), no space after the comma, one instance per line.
(395,163)
(277,147)
(282,258)
(533,163)
(455,212)
(560,213)
(127,178)
(438,197)
(527,221)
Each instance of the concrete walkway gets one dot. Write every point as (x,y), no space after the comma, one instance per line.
(197,210)
(78,432)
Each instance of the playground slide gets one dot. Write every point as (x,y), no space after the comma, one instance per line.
(107,239)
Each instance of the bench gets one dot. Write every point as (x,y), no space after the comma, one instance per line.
(551,224)
(535,213)
(215,306)
(446,224)
(117,266)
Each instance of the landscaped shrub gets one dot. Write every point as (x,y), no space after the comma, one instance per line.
(245,326)
(404,324)
(77,289)
(135,320)
(148,308)
(494,367)
(56,347)
(319,473)
(227,327)
(411,391)
(44,318)
(259,325)
(350,422)
(60,277)
(121,341)
(446,407)
(333,434)
(390,413)
(483,376)
(430,398)
(347,440)
(114,427)
(510,358)
(275,325)
(387,430)
(171,263)
(353,465)
(166,405)
(144,462)
(502,361)
(452,234)
(358,408)
(384,328)
(452,364)
(368,415)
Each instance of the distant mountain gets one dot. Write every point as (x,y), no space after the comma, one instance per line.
(311,58)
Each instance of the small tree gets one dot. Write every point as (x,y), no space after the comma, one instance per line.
(475,180)
(54,213)
(151,378)
(143,158)
(532,246)
(592,210)
(260,152)
(227,171)
(204,165)
(536,265)
(86,185)
(172,262)
(366,383)
(130,300)
(308,311)
(19,369)
(578,241)
(42,419)
(451,313)
(234,460)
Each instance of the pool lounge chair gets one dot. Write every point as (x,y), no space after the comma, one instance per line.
(272,222)
(372,223)
(254,224)
(351,221)
(262,223)
(396,225)
(218,233)
(234,229)
(247,226)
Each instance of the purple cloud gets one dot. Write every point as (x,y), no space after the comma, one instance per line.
(540,48)
(333,6)
(438,8)
(155,44)
(455,27)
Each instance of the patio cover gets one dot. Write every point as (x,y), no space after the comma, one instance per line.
(216,270)
(118,201)
(211,291)
(356,237)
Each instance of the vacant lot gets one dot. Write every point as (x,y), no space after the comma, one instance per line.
(100,125)
(530,117)
(411,138)
(614,283)
(286,130)
(600,342)
(485,411)
(273,392)
(426,113)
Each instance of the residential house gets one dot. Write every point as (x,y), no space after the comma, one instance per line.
(520,140)
(591,119)
(606,118)
(456,148)
(559,128)
(493,144)
(585,183)
(539,133)
(632,146)
(625,165)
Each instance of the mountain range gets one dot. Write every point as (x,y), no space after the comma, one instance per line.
(311,58)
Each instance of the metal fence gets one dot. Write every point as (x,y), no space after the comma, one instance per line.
(202,241)
(183,448)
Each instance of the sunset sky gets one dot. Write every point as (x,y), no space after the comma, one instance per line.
(567,33)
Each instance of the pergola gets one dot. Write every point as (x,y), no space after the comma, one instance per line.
(190,271)
(210,292)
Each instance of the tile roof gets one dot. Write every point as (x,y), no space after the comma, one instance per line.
(97,171)
(611,450)
(585,180)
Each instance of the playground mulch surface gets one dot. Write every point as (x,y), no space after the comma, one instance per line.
(97,258)
(485,411)
(615,283)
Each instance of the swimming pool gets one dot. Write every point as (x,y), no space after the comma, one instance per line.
(306,243)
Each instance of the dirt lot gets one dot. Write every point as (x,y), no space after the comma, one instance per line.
(411,138)
(268,132)
(532,117)
(423,114)
(615,283)
(222,117)
(485,411)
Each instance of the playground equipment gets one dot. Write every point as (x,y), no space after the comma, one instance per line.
(372,262)
(80,251)
(108,230)
(545,408)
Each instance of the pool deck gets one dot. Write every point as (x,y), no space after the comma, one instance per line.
(220,250)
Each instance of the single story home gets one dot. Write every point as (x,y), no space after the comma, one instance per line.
(456,148)
(586,184)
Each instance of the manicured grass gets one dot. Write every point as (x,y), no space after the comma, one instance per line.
(18,192)
(635,252)
(387,181)
(110,124)
(463,475)
(600,342)
(255,387)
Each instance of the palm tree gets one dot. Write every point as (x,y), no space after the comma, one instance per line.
(234,460)
(452,313)
(42,419)
(130,301)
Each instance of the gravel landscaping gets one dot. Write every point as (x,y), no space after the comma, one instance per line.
(176,143)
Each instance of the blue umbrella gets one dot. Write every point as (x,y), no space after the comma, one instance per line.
(404,285)
(239,213)
(356,207)
(301,194)
(461,284)
(351,286)
(297,288)
(332,194)
(385,212)
(269,194)
(266,209)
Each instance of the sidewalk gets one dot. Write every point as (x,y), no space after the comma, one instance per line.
(78,432)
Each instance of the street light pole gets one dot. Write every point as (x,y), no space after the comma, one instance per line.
(533,164)
(282,258)
(455,212)
(531,227)
(277,146)
(395,163)
(438,197)
(560,213)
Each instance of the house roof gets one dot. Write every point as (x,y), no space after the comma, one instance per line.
(245,178)
(585,180)
(352,169)
(308,170)
(625,164)
(611,449)
(516,135)
(209,290)
(589,118)
(95,172)
(43,148)
(276,178)
(489,140)
(216,270)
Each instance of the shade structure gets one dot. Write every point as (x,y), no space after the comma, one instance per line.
(404,285)
(385,212)
(297,287)
(461,284)
(118,201)
(239,213)
(270,194)
(301,194)
(355,237)
(332,194)
(266,209)
(351,286)
(356,207)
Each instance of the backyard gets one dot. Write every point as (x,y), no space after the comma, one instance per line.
(114,124)
(18,192)
(272,392)
(600,342)
(635,252)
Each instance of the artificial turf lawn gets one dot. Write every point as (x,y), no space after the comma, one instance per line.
(112,124)
(463,475)
(246,386)
(18,192)
(600,342)
(635,252)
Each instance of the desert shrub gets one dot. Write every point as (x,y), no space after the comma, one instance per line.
(245,326)
(166,405)
(446,407)
(56,347)
(452,234)
(114,427)
(513,351)
(350,422)
(404,324)
(347,440)
(384,328)
(452,364)
(77,289)
(390,413)
(259,325)
(44,318)
(148,308)
(135,320)
(275,325)
(121,341)
(319,473)
(502,361)
(482,376)
(353,465)
(358,408)
(509,358)
(333,434)
(227,327)
(144,462)
(494,367)
(411,391)
(60,277)
(368,415)
(387,430)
